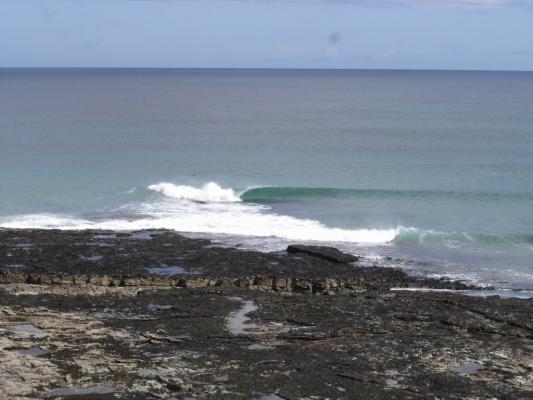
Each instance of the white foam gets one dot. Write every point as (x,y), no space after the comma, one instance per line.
(45,221)
(209,209)
(211,192)
(218,218)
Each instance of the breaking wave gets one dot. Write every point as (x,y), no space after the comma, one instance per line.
(213,209)
(211,192)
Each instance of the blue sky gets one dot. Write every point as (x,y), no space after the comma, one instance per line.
(390,34)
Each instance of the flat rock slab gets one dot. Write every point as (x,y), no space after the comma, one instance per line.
(324,252)
(152,314)
(364,346)
(92,314)
(160,257)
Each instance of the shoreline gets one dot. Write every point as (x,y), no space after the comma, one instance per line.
(158,315)
(416,275)
(133,258)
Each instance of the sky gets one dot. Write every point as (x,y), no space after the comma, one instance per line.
(359,34)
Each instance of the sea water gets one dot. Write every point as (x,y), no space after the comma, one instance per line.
(426,170)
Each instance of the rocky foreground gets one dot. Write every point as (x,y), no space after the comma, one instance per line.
(153,315)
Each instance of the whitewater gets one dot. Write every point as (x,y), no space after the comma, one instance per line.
(206,209)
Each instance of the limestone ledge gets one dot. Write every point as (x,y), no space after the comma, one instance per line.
(265,283)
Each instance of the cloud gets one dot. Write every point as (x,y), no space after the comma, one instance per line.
(333,39)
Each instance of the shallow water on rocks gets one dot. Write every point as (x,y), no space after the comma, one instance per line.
(94,258)
(157,307)
(237,321)
(504,293)
(169,270)
(105,236)
(468,368)
(24,245)
(27,329)
(34,351)
(145,235)
(272,396)
(81,391)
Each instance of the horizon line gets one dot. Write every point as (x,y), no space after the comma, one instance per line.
(269,69)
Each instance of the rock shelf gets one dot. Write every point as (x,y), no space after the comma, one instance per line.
(81,316)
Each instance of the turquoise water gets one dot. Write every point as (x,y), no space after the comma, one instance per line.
(430,171)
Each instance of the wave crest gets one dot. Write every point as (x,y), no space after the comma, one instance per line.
(213,209)
(211,192)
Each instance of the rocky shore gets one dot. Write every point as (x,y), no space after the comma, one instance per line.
(155,315)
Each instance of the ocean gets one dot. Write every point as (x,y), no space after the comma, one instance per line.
(430,171)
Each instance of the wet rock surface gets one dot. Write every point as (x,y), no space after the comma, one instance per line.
(324,252)
(164,258)
(71,327)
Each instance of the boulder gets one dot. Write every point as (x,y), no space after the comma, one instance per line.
(324,252)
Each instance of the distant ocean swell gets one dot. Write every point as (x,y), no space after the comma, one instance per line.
(217,210)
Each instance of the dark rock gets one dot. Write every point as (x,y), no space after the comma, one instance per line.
(60,258)
(324,252)
(247,327)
